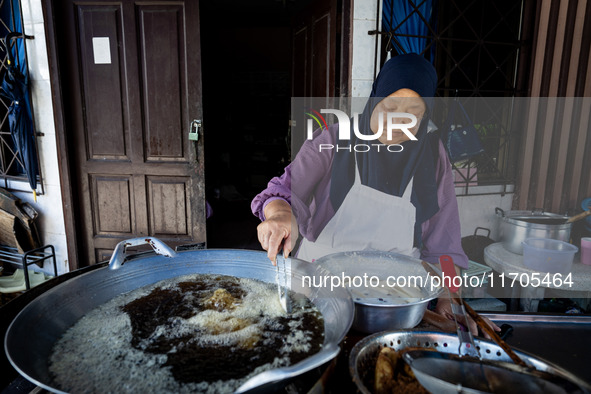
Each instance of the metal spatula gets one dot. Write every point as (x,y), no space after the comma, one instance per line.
(448,373)
(467,347)
(479,321)
(282,282)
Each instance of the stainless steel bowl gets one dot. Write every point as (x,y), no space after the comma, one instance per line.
(362,359)
(379,306)
(375,318)
(31,336)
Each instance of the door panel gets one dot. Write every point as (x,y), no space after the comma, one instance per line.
(314,50)
(323,64)
(163,81)
(105,135)
(112,205)
(300,62)
(313,59)
(168,199)
(132,85)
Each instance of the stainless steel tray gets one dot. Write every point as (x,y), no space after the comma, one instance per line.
(562,339)
(363,357)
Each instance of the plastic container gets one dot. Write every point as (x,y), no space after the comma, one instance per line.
(586,250)
(548,255)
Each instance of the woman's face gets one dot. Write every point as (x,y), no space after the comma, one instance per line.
(403,100)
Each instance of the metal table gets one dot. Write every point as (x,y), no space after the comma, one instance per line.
(510,264)
(564,340)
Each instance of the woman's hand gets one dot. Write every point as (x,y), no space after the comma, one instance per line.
(275,232)
(444,308)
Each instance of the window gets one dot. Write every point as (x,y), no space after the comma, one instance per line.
(475,46)
(16,158)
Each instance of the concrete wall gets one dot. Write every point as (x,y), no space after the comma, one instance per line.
(479,210)
(363,51)
(49,204)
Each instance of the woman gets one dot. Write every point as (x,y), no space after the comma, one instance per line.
(400,200)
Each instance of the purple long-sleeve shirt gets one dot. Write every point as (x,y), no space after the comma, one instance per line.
(305,185)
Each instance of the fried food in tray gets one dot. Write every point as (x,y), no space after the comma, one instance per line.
(393,375)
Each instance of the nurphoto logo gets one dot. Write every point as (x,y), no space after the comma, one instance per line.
(393,122)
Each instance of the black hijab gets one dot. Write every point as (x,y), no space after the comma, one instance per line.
(391,172)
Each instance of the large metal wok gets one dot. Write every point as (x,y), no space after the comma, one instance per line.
(31,336)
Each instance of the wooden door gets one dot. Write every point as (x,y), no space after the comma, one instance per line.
(131,82)
(320,59)
(314,50)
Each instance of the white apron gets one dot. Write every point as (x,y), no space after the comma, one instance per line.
(368,219)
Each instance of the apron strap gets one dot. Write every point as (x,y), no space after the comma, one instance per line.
(408,192)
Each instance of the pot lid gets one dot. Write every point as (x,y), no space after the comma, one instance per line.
(533,214)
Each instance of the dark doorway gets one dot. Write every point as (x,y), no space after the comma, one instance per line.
(250,72)
(246,57)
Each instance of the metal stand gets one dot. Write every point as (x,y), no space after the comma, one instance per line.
(12,256)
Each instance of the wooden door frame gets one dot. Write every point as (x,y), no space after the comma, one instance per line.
(340,84)
(63,156)
(66,156)
(346,50)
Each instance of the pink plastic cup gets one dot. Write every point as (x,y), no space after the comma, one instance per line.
(586,250)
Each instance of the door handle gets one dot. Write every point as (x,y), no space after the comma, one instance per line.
(194,129)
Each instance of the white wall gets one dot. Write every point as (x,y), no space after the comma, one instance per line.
(475,210)
(479,210)
(49,204)
(363,51)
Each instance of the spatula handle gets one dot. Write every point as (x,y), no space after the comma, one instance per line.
(481,323)
(580,216)
(493,334)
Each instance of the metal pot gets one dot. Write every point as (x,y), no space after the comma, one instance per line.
(32,334)
(375,308)
(517,226)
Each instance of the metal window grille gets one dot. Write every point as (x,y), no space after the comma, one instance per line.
(12,173)
(476,46)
